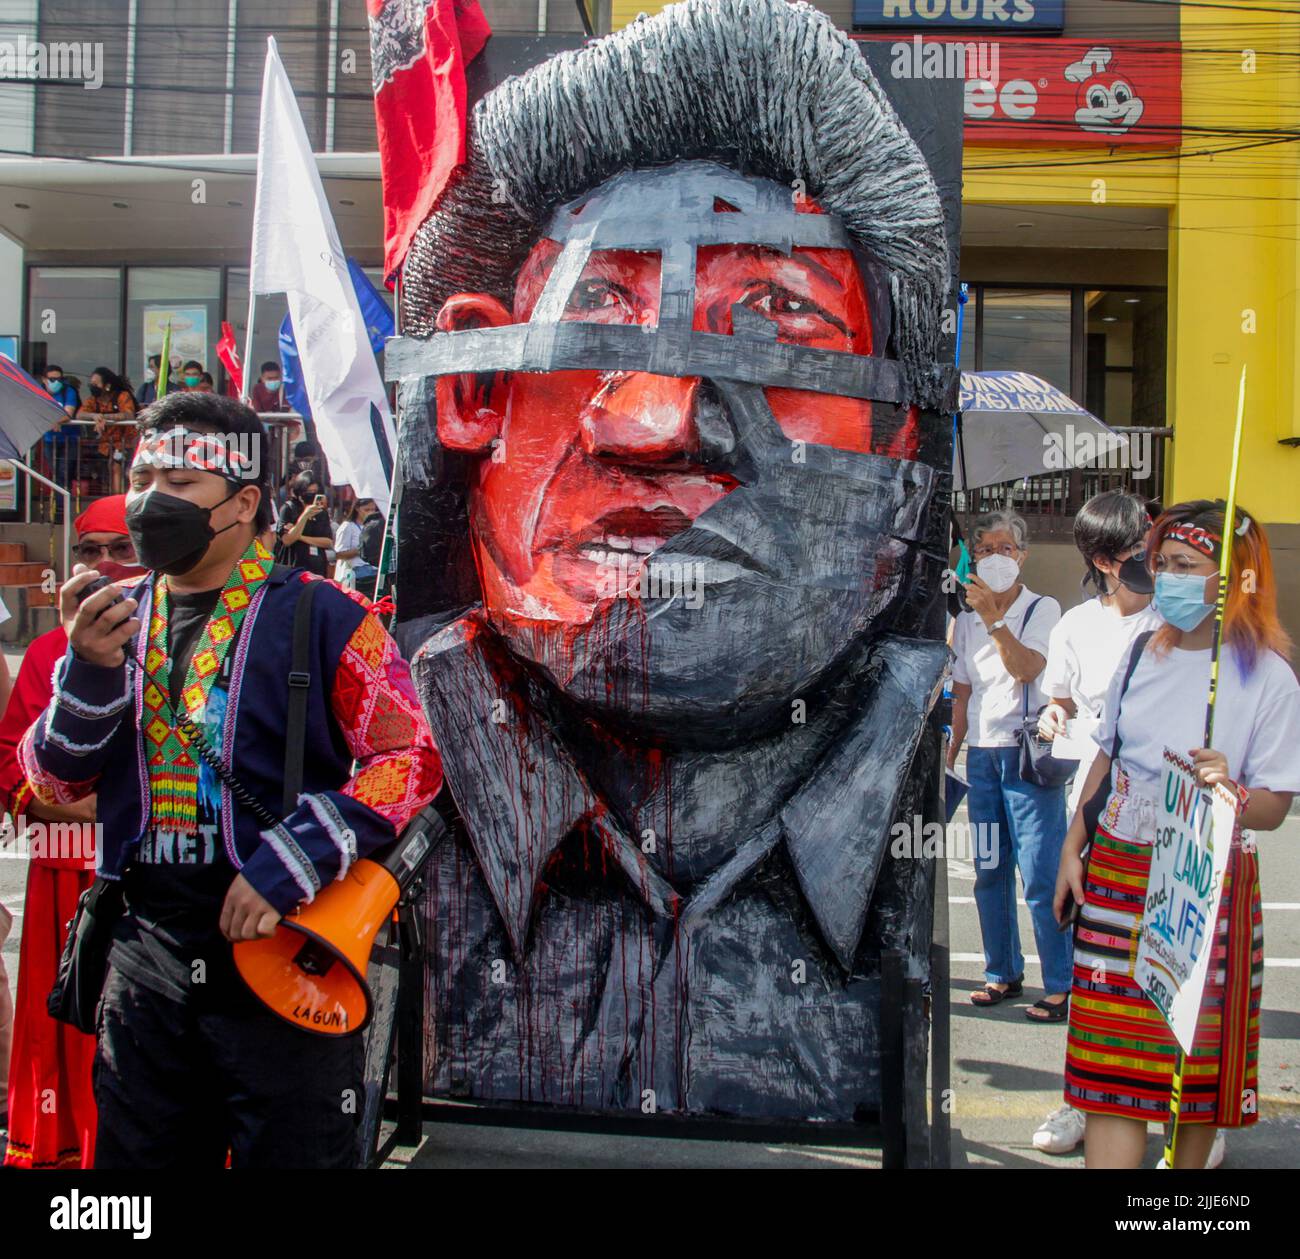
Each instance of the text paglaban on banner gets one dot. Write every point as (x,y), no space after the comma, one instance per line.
(1190,855)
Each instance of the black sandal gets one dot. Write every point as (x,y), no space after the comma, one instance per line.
(994,996)
(1055,1013)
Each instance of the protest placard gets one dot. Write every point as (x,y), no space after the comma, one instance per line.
(1190,854)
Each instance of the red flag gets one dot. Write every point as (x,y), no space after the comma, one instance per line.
(418,55)
(229,356)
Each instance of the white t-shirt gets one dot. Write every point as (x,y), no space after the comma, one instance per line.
(347,537)
(1089,644)
(1256,727)
(993,711)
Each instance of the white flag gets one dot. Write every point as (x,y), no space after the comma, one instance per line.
(296,251)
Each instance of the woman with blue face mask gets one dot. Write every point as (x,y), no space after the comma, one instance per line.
(1001,648)
(1120,1053)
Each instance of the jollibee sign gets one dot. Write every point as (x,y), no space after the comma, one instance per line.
(1058,91)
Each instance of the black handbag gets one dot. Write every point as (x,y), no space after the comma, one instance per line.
(74,999)
(1037,764)
(1093,806)
(75,996)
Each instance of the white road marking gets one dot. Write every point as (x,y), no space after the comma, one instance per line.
(1020,900)
(1032,959)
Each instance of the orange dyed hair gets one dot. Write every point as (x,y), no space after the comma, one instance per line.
(1250,620)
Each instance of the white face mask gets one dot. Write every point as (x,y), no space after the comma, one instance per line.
(998,572)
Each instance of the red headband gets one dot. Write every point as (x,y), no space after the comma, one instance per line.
(180,447)
(1197,538)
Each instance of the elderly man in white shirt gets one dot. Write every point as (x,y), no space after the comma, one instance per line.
(1001,647)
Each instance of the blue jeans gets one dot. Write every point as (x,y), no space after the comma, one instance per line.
(1026,829)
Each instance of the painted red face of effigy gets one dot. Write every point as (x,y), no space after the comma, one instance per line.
(586,473)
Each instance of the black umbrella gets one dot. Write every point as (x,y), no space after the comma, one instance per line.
(27,412)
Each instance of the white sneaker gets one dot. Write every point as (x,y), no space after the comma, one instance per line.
(1214,1159)
(1217,1150)
(1061,1132)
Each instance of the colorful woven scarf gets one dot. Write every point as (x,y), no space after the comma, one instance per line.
(173,771)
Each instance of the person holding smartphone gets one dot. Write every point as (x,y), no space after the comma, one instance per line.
(1000,650)
(304,527)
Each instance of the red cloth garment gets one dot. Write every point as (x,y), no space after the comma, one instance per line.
(418,56)
(51,1106)
(52,1117)
(32,691)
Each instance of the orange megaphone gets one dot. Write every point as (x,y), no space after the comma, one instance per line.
(312,971)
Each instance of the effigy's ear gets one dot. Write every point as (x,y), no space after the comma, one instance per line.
(471,405)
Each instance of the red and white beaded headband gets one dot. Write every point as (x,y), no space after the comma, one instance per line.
(1197,538)
(230,455)
(1201,539)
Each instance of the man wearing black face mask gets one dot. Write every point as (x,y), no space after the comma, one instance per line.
(189,1064)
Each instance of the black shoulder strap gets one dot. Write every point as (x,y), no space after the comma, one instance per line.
(1024,686)
(295,733)
(1139,646)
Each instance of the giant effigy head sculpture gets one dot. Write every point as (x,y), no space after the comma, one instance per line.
(671,423)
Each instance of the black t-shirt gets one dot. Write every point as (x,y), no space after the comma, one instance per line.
(176,883)
(301,554)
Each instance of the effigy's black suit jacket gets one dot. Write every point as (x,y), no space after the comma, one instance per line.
(569,965)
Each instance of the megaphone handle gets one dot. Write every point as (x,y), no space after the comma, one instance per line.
(408,922)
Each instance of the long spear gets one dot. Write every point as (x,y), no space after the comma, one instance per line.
(1225,568)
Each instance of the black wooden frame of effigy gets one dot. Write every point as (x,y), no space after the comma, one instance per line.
(880,931)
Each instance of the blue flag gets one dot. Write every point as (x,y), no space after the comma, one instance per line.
(374,308)
(295,391)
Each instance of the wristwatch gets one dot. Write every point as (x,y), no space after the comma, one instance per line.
(1000,623)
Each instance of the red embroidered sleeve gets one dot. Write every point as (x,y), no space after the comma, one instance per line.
(398,770)
(46,787)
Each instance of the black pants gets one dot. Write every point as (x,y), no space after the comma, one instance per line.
(178,1085)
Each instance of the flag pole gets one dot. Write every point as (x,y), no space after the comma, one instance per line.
(246,388)
(1225,569)
(397,461)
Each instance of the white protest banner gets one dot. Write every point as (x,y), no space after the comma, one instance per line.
(1188,859)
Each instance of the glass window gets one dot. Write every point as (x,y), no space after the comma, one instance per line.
(180,77)
(1027,330)
(72,121)
(1125,356)
(189,298)
(74,319)
(302,34)
(354,102)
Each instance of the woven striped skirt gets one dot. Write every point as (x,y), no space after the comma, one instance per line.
(1120,1054)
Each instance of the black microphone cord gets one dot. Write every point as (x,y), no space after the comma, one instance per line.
(237,789)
